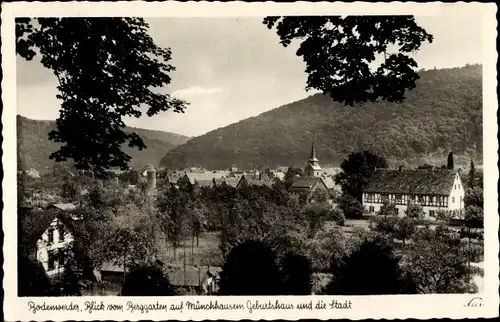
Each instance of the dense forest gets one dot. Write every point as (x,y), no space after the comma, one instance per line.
(442,114)
(34,146)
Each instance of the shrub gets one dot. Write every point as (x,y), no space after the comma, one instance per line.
(338,217)
(414,211)
(296,273)
(405,228)
(32,279)
(250,269)
(351,207)
(372,269)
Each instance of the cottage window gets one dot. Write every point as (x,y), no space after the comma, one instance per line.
(50,235)
(51,261)
(61,233)
(61,258)
(452,199)
(431,213)
(399,199)
(371,209)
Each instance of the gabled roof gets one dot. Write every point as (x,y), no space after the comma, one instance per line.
(232,182)
(254,182)
(200,176)
(419,181)
(329,182)
(205,183)
(303,184)
(63,206)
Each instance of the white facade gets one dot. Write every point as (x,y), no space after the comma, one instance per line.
(48,248)
(431,203)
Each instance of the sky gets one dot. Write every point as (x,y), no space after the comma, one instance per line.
(230,69)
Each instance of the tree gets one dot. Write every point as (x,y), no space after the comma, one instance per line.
(414,211)
(387,209)
(329,41)
(450,164)
(438,263)
(291,174)
(106,68)
(351,207)
(69,190)
(384,275)
(250,269)
(315,214)
(472,175)
(147,281)
(405,228)
(172,205)
(129,248)
(325,246)
(386,226)
(356,171)
(296,273)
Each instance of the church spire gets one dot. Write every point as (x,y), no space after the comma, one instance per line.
(313,152)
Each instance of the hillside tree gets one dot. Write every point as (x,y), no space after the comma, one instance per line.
(356,171)
(106,68)
(327,44)
(472,175)
(450,165)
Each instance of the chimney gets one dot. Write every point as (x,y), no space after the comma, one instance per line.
(151,178)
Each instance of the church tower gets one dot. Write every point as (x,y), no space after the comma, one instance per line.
(313,169)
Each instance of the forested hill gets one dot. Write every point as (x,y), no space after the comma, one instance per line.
(34,146)
(443,114)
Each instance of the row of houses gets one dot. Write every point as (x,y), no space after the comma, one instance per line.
(435,189)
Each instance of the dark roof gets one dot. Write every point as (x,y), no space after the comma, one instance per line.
(419,181)
(205,183)
(254,182)
(302,184)
(63,206)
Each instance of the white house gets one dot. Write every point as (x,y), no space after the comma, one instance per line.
(434,189)
(53,242)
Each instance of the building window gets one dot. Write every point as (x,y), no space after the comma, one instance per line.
(51,262)
(50,235)
(61,233)
(431,213)
(61,258)
(371,209)
(452,199)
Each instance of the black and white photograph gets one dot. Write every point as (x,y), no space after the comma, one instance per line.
(306,155)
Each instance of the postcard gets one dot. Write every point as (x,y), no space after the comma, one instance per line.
(207,160)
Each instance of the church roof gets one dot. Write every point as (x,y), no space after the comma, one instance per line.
(304,184)
(419,181)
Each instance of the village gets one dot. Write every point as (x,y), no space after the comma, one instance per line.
(431,196)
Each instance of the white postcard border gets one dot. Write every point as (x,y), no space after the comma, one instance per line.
(363,307)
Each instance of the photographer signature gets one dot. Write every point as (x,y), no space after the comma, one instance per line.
(475,302)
